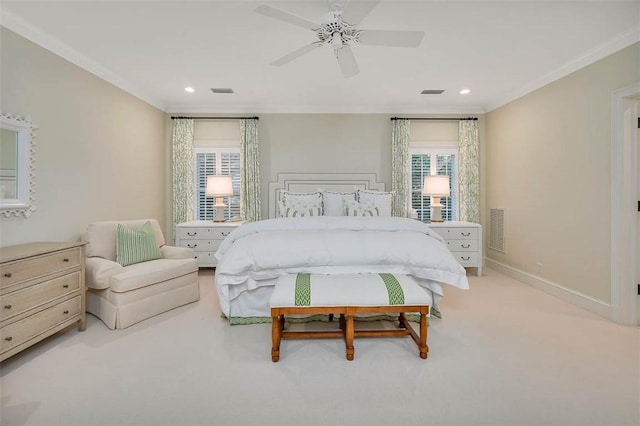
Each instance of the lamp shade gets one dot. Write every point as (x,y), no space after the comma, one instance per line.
(219,186)
(436,186)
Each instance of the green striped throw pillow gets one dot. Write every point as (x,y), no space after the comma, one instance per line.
(136,246)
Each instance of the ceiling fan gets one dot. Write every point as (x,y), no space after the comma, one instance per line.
(338,29)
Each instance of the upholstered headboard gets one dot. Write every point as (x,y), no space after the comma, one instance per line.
(311,182)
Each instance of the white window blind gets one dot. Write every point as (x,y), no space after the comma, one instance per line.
(434,161)
(216,161)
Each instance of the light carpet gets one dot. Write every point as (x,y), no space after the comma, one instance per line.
(504,354)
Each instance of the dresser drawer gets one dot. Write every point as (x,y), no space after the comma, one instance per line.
(31,297)
(201,245)
(462,245)
(21,331)
(193,233)
(466,259)
(457,233)
(15,272)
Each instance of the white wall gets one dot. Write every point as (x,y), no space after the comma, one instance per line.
(100,152)
(548,157)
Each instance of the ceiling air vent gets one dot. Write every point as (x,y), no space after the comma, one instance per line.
(221,90)
(496,230)
(431,92)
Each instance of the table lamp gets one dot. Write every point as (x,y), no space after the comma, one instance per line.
(219,187)
(436,186)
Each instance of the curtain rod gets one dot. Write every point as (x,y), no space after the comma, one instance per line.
(212,118)
(436,118)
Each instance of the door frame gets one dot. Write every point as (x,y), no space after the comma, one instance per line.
(624,190)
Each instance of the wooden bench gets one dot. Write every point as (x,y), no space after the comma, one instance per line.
(348,295)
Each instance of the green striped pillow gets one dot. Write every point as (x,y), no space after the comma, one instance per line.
(136,246)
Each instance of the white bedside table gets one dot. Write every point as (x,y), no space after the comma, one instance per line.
(204,236)
(464,240)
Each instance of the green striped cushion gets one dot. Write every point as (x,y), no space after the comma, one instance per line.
(136,246)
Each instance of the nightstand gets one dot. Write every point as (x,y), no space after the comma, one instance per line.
(204,236)
(464,240)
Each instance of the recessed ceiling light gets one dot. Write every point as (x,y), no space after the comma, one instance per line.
(189,89)
(465,91)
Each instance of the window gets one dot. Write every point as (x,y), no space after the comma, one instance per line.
(216,161)
(433,161)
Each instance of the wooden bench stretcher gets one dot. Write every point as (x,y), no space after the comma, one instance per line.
(348,295)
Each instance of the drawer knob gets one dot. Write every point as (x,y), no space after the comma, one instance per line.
(192,246)
(8,275)
(66,259)
(466,234)
(8,339)
(192,234)
(65,312)
(65,286)
(7,306)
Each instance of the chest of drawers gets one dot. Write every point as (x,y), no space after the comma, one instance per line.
(204,236)
(41,292)
(464,240)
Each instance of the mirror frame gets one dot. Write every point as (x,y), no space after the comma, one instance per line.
(23,204)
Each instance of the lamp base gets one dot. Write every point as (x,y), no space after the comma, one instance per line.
(219,207)
(436,210)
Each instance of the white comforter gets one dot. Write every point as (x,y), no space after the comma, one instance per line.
(256,253)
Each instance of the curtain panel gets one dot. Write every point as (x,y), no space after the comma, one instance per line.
(250,194)
(400,167)
(469,171)
(182,172)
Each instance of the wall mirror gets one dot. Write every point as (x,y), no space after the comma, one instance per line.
(16,165)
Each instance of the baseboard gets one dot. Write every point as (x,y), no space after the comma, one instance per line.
(589,303)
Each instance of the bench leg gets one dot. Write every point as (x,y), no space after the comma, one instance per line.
(276,334)
(348,336)
(424,349)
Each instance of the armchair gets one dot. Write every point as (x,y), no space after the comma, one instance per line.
(124,295)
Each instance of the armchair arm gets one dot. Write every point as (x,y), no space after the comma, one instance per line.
(100,271)
(172,252)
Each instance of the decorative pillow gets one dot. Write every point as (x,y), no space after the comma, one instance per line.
(282,212)
(333,202)
(298,196)
(299,208)
(381,200)
(364,208)
(135,246)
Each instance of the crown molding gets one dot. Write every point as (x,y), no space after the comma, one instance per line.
(601,51)
(52,44)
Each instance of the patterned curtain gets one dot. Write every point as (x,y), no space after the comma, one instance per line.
(400,167)
(469,171)
(182,171)
(250,199)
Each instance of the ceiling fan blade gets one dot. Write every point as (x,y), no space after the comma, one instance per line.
(391,38)
(296,54)
(355,11)
(347,61)
(281,15)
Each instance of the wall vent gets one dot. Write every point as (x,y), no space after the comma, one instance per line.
(496,230)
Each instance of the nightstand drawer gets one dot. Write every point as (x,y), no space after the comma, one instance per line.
(466,259)
(203,233)
(457,233)
(201,245)
(206,258)
(462,245)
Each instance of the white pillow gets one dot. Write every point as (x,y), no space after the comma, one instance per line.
(333,202)
(301,202)
(294,207)
(364,208)
(381,200)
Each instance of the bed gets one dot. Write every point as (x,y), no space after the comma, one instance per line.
(253,256)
